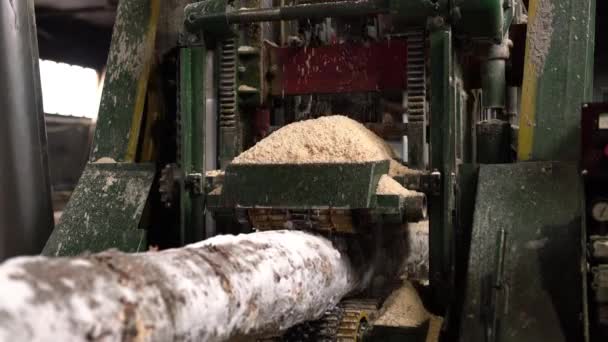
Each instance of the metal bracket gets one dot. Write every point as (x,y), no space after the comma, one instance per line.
(195,184)
(435,183)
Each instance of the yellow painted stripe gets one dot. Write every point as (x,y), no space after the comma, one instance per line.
(527,118)
(142,83)
(148,148)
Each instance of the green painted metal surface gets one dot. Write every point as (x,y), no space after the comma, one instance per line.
(191,147)
(466,195)
(302,186)
(538,295)
(481,19)
(104,211)
(494,82)
(416,12)
(493,142)
(486,20)
(558,78)
(443,137)
(217,26)
(124,92)
(192,106)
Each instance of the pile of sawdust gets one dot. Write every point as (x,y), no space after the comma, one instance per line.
(388,186)
(403,308)
(328,139)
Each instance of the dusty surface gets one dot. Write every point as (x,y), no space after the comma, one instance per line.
(540,34)
(105,160)
(403,308)
(126,44)
(329,139)
(210,291)
(388,186)
(214,173)
(416,265)
(217,191)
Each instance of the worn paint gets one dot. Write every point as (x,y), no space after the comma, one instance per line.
(104,211)
(124,93)
(540,17)
(557,78)
(540,296)
(540,33)
(142,82)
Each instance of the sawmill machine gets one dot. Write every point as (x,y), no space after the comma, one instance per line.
(479,98)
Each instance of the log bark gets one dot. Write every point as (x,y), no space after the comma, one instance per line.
(211,291)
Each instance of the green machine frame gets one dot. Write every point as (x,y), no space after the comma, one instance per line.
(107,206)
(216,21)
(463,188)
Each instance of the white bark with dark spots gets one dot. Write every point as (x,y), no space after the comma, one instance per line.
(220,288)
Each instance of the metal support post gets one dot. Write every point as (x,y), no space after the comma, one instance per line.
(26,214)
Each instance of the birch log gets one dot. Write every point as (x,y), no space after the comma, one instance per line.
(214,290)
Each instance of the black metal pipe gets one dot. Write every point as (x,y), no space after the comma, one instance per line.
(26,214)
(512,107)
(493,142)
(198,15)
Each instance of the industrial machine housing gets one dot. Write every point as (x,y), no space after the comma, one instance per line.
(487,92)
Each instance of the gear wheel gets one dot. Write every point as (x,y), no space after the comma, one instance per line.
(345,323)
(351,326)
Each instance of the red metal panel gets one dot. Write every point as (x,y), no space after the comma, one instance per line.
(594,141)
(341,68)
(261,123)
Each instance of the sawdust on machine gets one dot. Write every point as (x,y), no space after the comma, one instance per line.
(328,139)
(403,308)
(339,139)
(396,170)
(215,173)
(388,186)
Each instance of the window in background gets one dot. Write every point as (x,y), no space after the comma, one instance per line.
(69,89)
